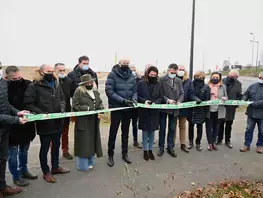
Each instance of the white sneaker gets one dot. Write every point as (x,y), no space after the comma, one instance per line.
(91,167)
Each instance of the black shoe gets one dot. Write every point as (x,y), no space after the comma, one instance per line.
(110,161)
(145,155)
(219,142)
(137,145)
(229,145)
(171,152)
(126,158)
(191,145)
(198,147)
(183,147)
(160,153)
(21,182)
(151,156)
(28,175)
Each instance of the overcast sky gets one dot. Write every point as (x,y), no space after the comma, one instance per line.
(147,31)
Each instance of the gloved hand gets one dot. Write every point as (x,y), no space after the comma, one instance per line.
(134,102)
(128,103)
(198,101)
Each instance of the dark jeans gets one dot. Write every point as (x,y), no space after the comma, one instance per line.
(251,123)
(4,143)
(225,127)
(212,127)
(135,125)
(199,133)
(117,117)
(172,121)
(44,148)
(17,160)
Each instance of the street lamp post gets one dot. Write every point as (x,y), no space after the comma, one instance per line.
(191,66)
(252,48)
(257,42)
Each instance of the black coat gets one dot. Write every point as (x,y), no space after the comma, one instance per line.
(75,77)
(120,85)
(7,112)
(149,118)
(66,84)
(19,134)
(198,115)
(234,92)
(41,98)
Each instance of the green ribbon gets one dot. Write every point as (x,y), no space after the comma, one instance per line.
(185,105)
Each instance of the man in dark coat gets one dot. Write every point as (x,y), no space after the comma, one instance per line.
(234,92)
(135,112)
(45,96)
(65,84)
(80,69)
(254,113)
(173,93)
(189,95)
(8,116)
(121,90)
(20,136)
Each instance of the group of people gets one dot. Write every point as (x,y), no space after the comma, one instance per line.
(51,91)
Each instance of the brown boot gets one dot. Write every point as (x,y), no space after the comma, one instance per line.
(259,149)
(9,191)
(60,170)
(244,149)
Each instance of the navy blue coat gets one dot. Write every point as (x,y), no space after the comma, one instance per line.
(189,95)
(120,86)
(255,93)
(149,118)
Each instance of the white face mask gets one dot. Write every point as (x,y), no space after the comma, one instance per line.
(1,74)
(134,73)
(172,75)
(181,73)
(260,81)
(61,75)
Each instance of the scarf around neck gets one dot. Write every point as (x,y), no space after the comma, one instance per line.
(214,90)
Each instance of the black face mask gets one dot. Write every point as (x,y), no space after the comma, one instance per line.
(199,81)
(48,77)
(231,80)
(215,81)
(125,67)
(89,87)
(152,80)
(16,81)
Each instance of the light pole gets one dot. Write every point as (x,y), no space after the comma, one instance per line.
(257,42)
(191,66)
(252,48)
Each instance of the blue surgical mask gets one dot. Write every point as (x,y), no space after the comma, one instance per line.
(1,74)
(260,81)
(61,75)
(85,67)
(172,75)
(134,73)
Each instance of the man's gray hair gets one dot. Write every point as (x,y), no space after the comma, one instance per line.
(235,71)
(58,64)
(260,74)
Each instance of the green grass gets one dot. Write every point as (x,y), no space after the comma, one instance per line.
(245,72)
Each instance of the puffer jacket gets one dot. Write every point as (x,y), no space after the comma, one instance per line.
(41,98)
(254,93)
(120,85)
(7,112)
(75,77)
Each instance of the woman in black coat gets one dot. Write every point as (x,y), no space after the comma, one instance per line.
(199,114)
(149,92)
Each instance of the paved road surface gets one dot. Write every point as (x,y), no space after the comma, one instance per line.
(161,178)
